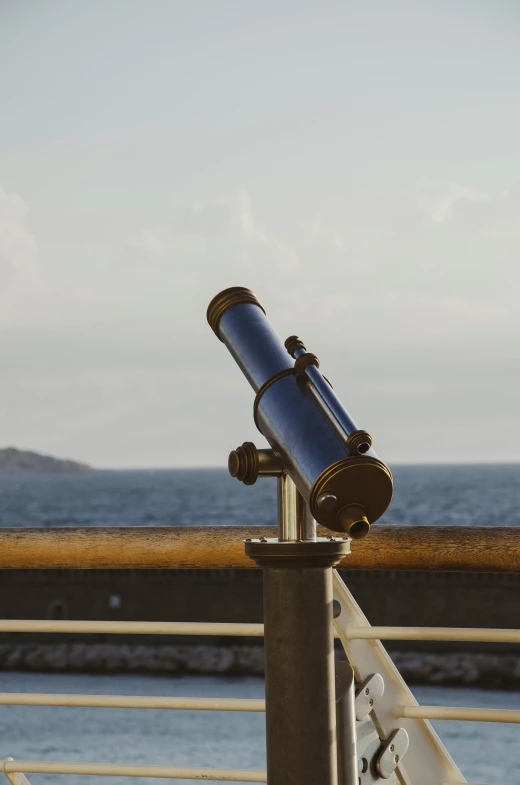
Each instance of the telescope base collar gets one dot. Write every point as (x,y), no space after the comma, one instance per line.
(323,552)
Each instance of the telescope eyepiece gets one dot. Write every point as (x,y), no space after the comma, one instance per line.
(353,521)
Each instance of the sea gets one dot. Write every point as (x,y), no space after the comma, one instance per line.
(471,495)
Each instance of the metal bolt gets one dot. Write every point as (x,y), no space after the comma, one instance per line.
(367,691)
(392,747)
(396,759)
(371,702)
(327,501)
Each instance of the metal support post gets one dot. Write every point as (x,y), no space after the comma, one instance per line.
(299,675)
(295,521)
(299,650)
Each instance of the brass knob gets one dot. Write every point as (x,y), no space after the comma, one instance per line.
(359,442)
(293,343)
(243,463)
(247,463)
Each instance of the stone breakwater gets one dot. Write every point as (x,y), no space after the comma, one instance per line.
(459,669)
(130,658)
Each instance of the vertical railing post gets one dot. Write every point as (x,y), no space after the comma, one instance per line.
(299,651)
(348,773)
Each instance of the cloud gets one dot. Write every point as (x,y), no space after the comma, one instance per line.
(20,275)
(118,370)
(322,278)
(441,209)
(228,230)
(212,244)
(319,229)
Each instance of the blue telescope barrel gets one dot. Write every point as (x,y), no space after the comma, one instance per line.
(328,457)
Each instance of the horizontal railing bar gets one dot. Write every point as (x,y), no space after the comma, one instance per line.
(433,634)
(223,629)
(457,713)
(468,548)
(131,702)
(102,769)
(133,627)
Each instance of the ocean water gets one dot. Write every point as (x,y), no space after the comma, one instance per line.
(476,495)
(449,495)
(485,753)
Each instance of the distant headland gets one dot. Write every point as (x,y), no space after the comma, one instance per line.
(14,461)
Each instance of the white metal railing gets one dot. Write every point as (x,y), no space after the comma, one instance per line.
(427,762)
(131,702)
(10,766)
(350,628)
(459,634)
(134,627)
(458,713)
(15,770)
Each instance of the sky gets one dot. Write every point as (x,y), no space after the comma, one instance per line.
(356,164)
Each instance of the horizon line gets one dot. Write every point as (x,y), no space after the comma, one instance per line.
(208,467)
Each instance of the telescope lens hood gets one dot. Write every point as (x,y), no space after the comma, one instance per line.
(235,295)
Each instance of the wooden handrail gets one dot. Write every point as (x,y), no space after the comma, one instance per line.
(471,548)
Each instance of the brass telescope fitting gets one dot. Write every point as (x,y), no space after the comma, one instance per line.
(353,521)
(247,463)
(356,477)
(235,295)
(359,442)
(293,343)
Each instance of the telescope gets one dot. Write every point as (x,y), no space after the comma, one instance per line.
(314,440)
(328,472)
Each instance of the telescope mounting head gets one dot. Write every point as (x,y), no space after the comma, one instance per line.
(314,441)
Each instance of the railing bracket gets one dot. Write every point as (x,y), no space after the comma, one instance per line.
(367,696)
(392,753)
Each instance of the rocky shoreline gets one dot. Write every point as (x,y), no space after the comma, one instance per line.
(15,461)
(495,671)
(454,669)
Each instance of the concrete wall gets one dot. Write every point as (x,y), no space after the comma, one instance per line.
(393,598)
